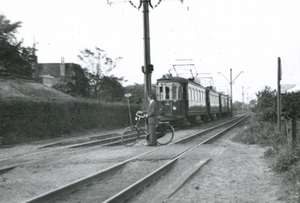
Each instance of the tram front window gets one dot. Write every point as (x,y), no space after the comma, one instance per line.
(168,92)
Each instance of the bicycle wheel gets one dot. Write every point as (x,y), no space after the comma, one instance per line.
(130,136)
(164,133)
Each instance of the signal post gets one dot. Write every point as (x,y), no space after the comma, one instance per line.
(148,67)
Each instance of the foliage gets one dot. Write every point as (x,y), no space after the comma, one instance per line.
(24,120)
(64,87)
(14,58)
(137,92)
(287,160)
(291,103)
(97,67)
(263,133)
(80,86)
(109,89)
(263,130)
(96,62)
(253,101)
(267,104)
(237,105)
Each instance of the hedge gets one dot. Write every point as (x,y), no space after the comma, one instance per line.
(25,120)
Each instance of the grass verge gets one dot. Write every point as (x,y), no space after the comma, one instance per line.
(284,161)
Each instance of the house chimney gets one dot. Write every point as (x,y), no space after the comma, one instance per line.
(62,67)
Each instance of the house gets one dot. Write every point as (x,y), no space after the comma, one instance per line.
(51,74)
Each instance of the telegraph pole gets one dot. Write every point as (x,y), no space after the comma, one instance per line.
(231,82)
(243,94)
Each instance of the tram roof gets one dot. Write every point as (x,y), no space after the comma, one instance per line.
(177,79)
(184,80)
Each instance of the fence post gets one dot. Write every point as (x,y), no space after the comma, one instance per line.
(294,131)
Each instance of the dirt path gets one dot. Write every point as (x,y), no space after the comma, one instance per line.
(240,173)
(236,173)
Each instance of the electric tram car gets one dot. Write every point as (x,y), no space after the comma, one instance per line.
(183,100)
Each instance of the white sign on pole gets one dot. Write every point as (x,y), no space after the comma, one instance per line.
(285,87)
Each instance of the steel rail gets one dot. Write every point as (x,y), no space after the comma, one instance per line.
(90,143)
(114,143)
(185,139)
(73,186)
(132,189)
(139,185)
(47,151)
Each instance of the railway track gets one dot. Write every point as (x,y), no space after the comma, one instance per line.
(120,182)
(72,147)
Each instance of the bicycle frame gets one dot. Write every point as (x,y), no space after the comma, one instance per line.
(138,119)
(162,129)
(160,124)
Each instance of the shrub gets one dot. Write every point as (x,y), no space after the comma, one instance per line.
(22,120)
(287,160)
(263,133)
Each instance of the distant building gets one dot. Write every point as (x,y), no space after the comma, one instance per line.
(51,74)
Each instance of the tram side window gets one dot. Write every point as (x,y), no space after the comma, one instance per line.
(179,92)
(193,95)
(201,96)
(174,92)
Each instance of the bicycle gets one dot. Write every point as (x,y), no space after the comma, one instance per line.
(131,134)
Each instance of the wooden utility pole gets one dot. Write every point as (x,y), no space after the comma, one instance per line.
(278,93)
(294,131)
(231,108)
(147,68)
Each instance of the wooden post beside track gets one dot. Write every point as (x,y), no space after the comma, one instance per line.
(278,93)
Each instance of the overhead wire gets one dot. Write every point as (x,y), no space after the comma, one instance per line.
(198,32)
(166,46)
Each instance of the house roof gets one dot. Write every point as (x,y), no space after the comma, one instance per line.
(53,69)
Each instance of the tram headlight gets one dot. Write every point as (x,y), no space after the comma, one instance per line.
(174,108)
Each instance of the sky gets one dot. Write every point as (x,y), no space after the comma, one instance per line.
(214,35)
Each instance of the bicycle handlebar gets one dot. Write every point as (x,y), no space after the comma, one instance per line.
(140,116)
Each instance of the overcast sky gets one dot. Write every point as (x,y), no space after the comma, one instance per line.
(216,35)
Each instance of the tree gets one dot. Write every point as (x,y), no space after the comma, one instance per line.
(237,105)
(96,62)
(14,58)
(97,67)
(291,103)
(110,89)
(267,104)
(79,87)
(137,92)
(253,101)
